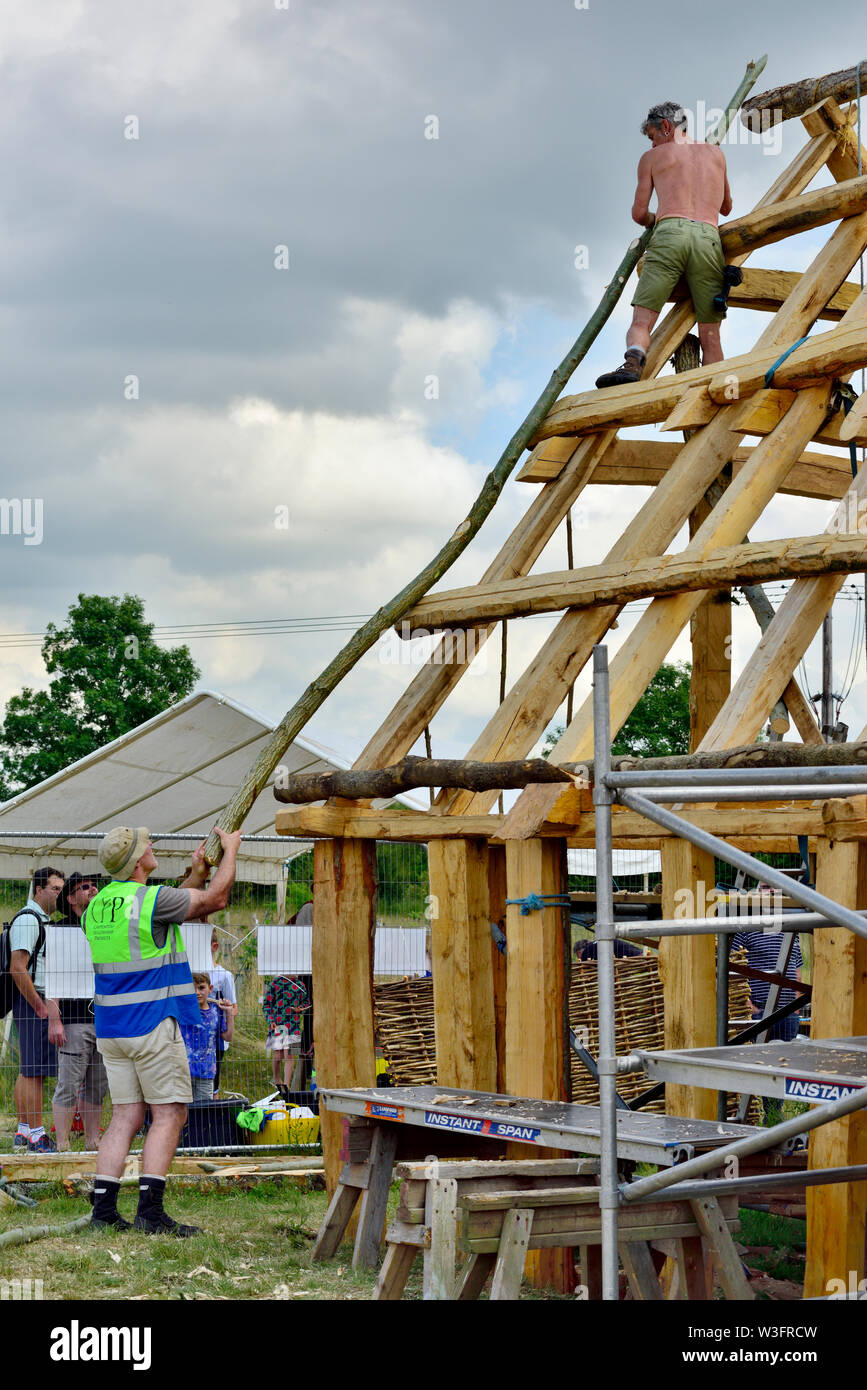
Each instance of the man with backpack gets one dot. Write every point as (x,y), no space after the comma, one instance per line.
(37,1020)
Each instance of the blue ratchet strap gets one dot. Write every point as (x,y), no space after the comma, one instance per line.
(535,902)
(769,374)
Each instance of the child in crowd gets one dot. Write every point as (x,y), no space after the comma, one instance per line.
(200,1039)
(222,987)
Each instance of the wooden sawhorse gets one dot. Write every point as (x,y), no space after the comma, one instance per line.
(495,1216)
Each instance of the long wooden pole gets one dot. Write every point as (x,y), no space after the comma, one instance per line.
(318,691)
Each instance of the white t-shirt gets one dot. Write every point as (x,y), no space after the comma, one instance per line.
(224,981)
(24,936)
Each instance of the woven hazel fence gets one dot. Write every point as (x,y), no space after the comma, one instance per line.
(404,1016)
(404,1013)
(638,1022)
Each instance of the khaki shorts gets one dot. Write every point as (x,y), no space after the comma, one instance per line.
(679,248)
(153,1068)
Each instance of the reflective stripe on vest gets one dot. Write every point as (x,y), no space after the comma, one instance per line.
(137,983)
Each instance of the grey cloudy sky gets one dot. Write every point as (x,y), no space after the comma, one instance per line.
(262,388)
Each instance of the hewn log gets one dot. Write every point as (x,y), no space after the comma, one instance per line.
(477,776)
(785,640)
(782,103)
(375,784)
(645,462)
(767,290)
(622,583)
(821,357)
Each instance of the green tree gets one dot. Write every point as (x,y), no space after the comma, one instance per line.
(659,724)
(108,675)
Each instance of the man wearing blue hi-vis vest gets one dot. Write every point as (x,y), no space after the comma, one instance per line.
(143,991)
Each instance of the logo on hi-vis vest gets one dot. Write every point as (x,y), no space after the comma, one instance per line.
(384,1112)
(799,1088)
(470,1124)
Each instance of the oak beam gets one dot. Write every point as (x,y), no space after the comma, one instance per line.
(463,980)
(823,356)
(784,642)
(768,290)
(344,907)
(645,462)
(836,1215)
(622,583)
(687,969)
(537,1052)
(361,823)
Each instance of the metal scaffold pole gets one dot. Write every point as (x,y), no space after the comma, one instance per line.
(609,1196)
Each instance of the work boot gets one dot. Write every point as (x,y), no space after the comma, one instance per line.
(150,1216)
(633,366)
(104,1201)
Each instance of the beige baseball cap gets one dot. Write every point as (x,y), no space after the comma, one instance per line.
(122,848)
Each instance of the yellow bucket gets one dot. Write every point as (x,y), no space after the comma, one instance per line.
(281,1128)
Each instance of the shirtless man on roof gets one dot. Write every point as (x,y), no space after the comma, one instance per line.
(692,190)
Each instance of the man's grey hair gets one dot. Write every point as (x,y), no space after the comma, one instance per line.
(665,111)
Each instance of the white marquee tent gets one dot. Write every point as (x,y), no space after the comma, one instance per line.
(173,774)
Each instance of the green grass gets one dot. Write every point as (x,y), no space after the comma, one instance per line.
(255,1244)
(784,1236)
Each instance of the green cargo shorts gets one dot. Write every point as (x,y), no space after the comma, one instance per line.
(680,247)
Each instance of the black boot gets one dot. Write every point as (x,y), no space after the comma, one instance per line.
(150,1216)
(633,366)
(105,1212)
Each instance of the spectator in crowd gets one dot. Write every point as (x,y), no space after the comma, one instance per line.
(284,1005)
(36,1019)
(763,950)
(81,1078)
(143,991)
(589,950)
(222,987)
(201,1038)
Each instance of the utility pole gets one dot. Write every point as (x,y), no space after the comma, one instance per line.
(827,697)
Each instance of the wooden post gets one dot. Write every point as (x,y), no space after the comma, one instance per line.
(687,967)
(497,907)
(537,1055)
(462,969)
(344,910)
(836,1215)
(710,632)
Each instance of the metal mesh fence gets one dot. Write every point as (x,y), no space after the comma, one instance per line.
(258,944)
